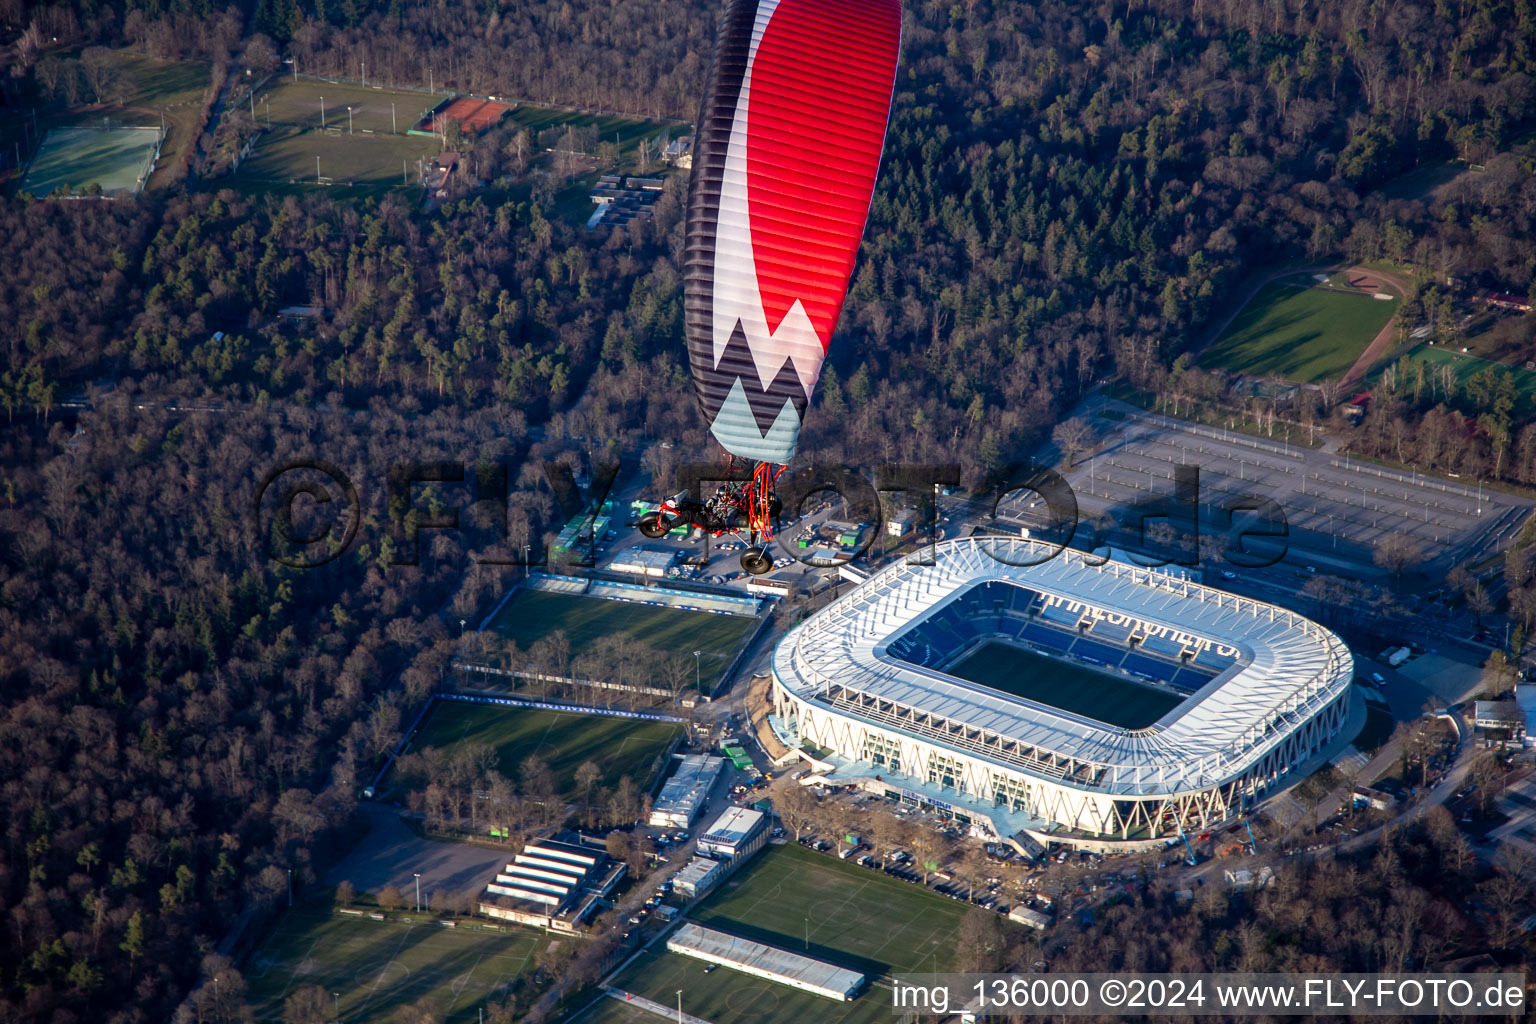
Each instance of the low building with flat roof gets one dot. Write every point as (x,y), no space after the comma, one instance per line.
(686,791)
(1498,720)
(780,965)
(1030,918)
(697,877)
(551,884)
(737,832)
(644,561)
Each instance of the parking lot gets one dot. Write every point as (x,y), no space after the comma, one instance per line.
(1333,504)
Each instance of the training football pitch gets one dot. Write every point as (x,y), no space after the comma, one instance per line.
(1062,684)
(618,746)
(374,111)
(375,967)
(1465,366)
(856,917)
(366,144)
(812,904)
(626,132)
(726,996)
(1300,334)
(532,614)
(617,1011)
(118,160)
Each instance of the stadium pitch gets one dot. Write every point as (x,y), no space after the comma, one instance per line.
(532,614)
(375,967)
(563,740)
(1300,334)
(119,160)
(1065,685)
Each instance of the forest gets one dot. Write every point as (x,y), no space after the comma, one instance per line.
(1068,195)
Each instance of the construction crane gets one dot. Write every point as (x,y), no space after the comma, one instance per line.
(1191,859)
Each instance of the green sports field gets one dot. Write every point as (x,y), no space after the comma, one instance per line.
(724,996)
(75,158)
(374,151)
(619,746)
(532,614)
(625,131)
(288,154)
(1466,366)
(859,918)
(286,102)
(616,1011)
(855,917)
(376,967)
(1300,334)
(1062,684)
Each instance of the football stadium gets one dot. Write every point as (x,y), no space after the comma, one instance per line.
(1077,700)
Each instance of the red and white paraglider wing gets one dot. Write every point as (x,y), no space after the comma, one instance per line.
(785,158)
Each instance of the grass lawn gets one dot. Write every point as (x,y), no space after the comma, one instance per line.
(532,614)
(619,746)
(1466,365)
(287,153)
(859,918)
(616,1011)
(1061,684)
(856,918)
(1300,334)
(376,153)
(286,102)
(725,996)
(626,131)
(379,966)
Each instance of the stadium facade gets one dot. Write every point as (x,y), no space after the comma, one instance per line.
(1252,691)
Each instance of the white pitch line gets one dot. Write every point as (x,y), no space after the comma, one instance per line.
(369,997)
(294,975)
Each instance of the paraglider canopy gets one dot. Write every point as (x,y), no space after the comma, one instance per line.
(785,159)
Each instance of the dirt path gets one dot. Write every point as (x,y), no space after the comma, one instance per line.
(1380,344)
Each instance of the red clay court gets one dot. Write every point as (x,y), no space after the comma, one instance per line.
(473,115)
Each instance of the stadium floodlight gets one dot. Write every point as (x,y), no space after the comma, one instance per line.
(679,1006)
(696,685)
(418,891)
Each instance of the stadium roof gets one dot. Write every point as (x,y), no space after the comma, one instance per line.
(1289,668)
